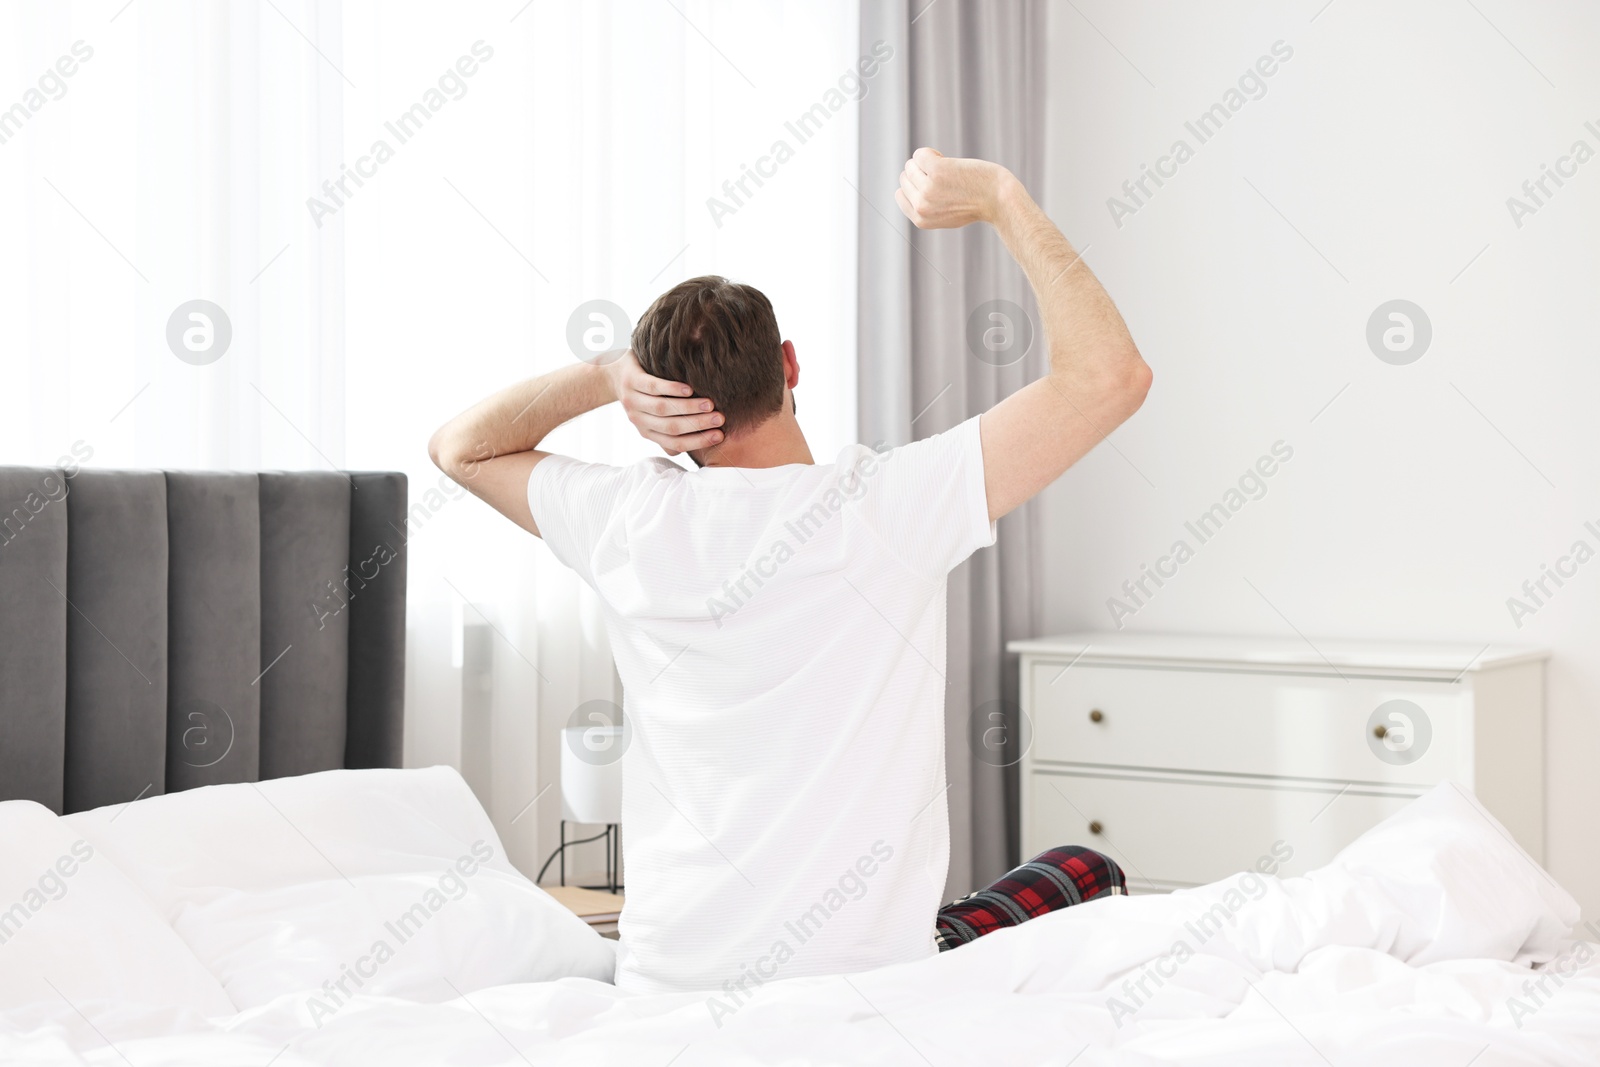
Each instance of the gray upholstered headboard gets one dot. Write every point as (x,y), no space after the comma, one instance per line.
(164,630)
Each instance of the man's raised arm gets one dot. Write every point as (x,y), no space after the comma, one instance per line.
(1097,378)
(491,448)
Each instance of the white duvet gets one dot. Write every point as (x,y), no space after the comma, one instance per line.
(219,926)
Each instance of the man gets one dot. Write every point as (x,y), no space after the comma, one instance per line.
(779,625)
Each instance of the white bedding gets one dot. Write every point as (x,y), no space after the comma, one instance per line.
(394,878)
(1433,940)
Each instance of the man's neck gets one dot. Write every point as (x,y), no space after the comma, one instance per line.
(775,443)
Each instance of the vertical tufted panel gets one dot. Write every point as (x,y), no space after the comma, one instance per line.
(141,613)
(214,628)
(377,620)
(116,637)
(33,633)
(305,549)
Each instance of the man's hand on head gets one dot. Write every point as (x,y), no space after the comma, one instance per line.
(665,413)
(938,193)
(492,448)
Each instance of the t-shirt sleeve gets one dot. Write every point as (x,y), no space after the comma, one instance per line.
(572,502)
(927,503)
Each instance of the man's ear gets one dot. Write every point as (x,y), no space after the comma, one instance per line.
(791,365)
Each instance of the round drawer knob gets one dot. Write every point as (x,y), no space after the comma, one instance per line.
(1095,827)
(1096,715)
(1380,731)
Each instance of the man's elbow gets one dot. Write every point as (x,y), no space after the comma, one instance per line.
(1136,381)
(1108,390)
(445,454)
(1118,386)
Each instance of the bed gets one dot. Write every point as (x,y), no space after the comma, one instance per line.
(310,903)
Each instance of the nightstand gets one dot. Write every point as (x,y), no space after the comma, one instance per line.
(596,907)
(1187,758)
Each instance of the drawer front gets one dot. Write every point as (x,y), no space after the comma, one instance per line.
(1237,723)
(1168,834)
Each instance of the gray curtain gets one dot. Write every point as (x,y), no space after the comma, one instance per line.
(967,78)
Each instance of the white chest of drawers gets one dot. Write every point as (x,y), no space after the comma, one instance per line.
(1187,759)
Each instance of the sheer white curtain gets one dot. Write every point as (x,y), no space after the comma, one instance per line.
(169,165)
(399,205)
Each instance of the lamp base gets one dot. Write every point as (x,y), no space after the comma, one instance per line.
(613,837)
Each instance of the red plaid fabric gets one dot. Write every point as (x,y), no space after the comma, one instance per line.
(1051,880)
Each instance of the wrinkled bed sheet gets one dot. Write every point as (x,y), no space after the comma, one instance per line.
(1432,940)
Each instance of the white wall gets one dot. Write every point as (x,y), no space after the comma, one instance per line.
(1424,496)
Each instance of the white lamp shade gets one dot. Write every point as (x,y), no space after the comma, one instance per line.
(591,773)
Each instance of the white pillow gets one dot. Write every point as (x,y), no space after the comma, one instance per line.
(73,928)
(328,885)
(1450,883)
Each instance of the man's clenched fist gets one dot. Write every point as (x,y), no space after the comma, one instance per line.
(937,192)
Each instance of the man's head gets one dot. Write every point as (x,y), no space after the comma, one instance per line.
(722,339)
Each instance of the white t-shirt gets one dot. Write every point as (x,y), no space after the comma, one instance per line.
(780,635)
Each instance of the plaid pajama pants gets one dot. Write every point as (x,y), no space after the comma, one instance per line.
(1051,880)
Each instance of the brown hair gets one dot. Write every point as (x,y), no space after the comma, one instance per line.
(721,338)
